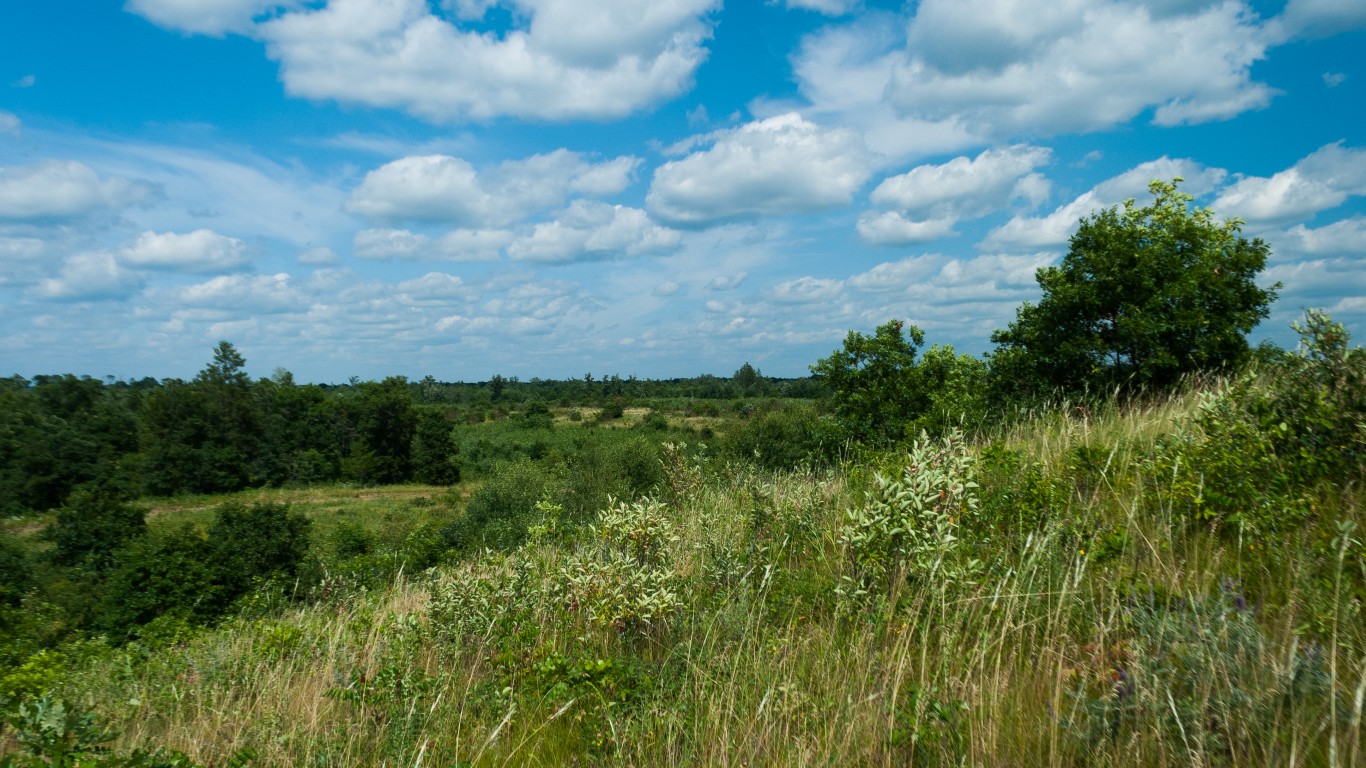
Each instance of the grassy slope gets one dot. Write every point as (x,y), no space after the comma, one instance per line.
(1100,630)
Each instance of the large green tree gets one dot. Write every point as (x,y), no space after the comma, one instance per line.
(1143,296)
(874,386)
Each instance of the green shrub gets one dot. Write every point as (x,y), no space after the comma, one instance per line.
(909,524)
(785,439)
(500,510)
(91,527)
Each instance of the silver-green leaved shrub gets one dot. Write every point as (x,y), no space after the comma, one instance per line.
(908,523)
(477,601)
(625,577)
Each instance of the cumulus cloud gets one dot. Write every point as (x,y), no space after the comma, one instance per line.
(457,245)
(594,230)
(1346,236)
(202,250)
(9,123)
(63,189)
(929,199)
(88,276)
(1318,182)
(781,165)
(1008,65)
(268,294)
(806,290)
(1321,18)
(437,287)
(894,228)
(208,17)
(441,188)
(995,68)
(557,63)
(1054,229)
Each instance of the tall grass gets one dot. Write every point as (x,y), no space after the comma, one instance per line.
(1102,627)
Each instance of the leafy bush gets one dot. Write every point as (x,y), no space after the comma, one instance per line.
(908,524)
(785,439)
(91,528)
(500,510)
(626,581)
(256,542)
(1260,444)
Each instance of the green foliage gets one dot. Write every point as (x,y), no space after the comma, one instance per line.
(626,582)
(1143,296)
(873,384)
(384,422)
(202,436)
(1162,678)
(16,573)
(500,510)
(186,576)
(91,528)
(435,457)
(1260,445)
(908,524)
(57,733)
(785,438)
(169,571)
(255,543)
(36,677)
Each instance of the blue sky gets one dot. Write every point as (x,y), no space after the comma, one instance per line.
(547,188)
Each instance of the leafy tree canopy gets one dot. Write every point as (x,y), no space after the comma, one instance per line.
(1143,296)
(872,380)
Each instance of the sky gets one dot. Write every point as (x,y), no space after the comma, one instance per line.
(657,188)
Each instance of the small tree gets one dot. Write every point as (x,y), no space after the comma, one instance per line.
(873,382)
(1143,296)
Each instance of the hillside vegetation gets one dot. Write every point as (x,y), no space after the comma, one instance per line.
(1161,582)
(1130,541)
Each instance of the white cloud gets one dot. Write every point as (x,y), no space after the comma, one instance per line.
(893,228)
(929,200)
(20,248)
(966,187)
(1346,236)
(209,17)
(441,188)
(9,123)
(1079,65)
(1054,229)
(94,275)
(593,230)
(1321,18)
(897,275)
(202,250)
(827,7)
(437,287)
(781,165)
(57,189)
(561,62)
(843,70)
(997,68)
(1318,182)
(666,288)
(806,290)
(726,282)
(457,245)
(242,293)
